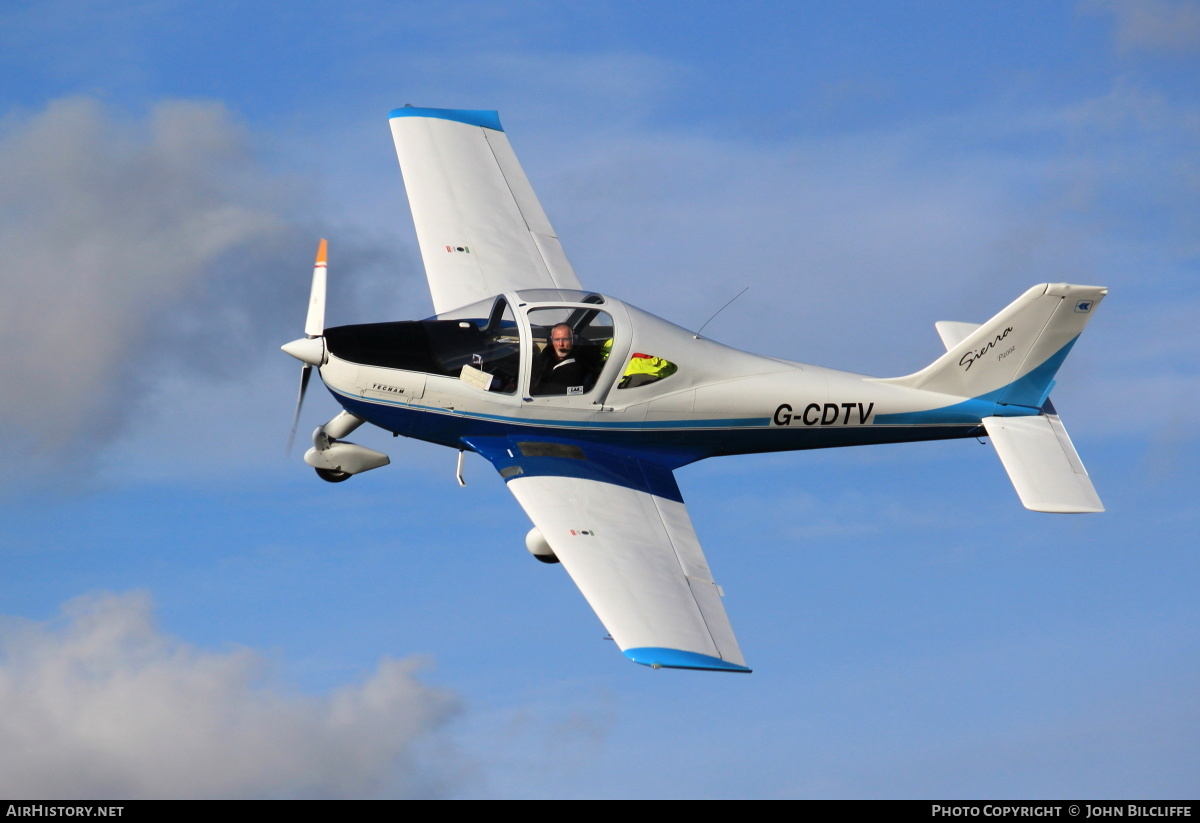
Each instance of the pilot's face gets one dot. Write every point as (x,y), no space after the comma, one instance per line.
(562,341)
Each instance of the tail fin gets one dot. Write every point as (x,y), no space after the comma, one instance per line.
(1012,358)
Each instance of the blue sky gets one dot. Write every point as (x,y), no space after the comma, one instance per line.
(185,612)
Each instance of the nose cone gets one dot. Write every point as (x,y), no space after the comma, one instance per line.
(310,350)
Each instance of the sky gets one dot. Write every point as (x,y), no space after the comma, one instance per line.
(187,612)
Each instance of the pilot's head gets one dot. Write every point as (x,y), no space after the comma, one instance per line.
(562,338)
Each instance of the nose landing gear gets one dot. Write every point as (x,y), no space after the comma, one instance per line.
(336,460)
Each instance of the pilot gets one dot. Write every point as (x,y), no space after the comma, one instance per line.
(562,368)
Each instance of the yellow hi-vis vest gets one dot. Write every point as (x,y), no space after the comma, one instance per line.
(656,367)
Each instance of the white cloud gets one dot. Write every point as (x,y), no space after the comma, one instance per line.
(103,704)
(106,229)
(137,248)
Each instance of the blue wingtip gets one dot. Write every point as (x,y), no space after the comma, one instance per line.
(657,658)
(472,117)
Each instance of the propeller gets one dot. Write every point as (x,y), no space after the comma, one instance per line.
(310,349)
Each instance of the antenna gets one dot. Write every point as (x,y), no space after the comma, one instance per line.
(718,311)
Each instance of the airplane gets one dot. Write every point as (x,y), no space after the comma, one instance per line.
(589,447)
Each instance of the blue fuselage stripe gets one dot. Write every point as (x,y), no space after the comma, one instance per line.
(676,443)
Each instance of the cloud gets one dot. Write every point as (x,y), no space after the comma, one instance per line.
(137,249)
(1155,25)
(103,704)
(125,246)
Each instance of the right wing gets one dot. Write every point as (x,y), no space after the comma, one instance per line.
(479,224)
(621,530)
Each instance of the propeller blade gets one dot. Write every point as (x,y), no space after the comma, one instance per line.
(314,327)
(310,348)
(305,374)
(314,324)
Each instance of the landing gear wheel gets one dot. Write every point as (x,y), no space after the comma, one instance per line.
(332,476)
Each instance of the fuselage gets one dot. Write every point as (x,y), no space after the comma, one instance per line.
(652,387)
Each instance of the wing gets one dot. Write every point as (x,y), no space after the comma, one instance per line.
(618,524)
(480,227)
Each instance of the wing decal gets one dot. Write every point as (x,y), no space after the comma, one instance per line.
(618,524)
(479,224)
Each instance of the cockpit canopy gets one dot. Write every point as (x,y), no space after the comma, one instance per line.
(541,342)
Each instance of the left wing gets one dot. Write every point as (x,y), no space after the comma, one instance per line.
(618,524)
(479,224)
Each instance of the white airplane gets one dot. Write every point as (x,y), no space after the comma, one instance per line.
(586,405)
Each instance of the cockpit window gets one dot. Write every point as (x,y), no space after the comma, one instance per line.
(645,368)
(571,347)
(484,350)
(492,360)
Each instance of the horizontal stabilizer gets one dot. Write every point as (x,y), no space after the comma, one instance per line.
(1042,463)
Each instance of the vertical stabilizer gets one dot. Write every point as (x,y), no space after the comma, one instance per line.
(1012,358)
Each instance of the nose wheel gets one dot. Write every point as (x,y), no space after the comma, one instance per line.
(332,476)
(336,460)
